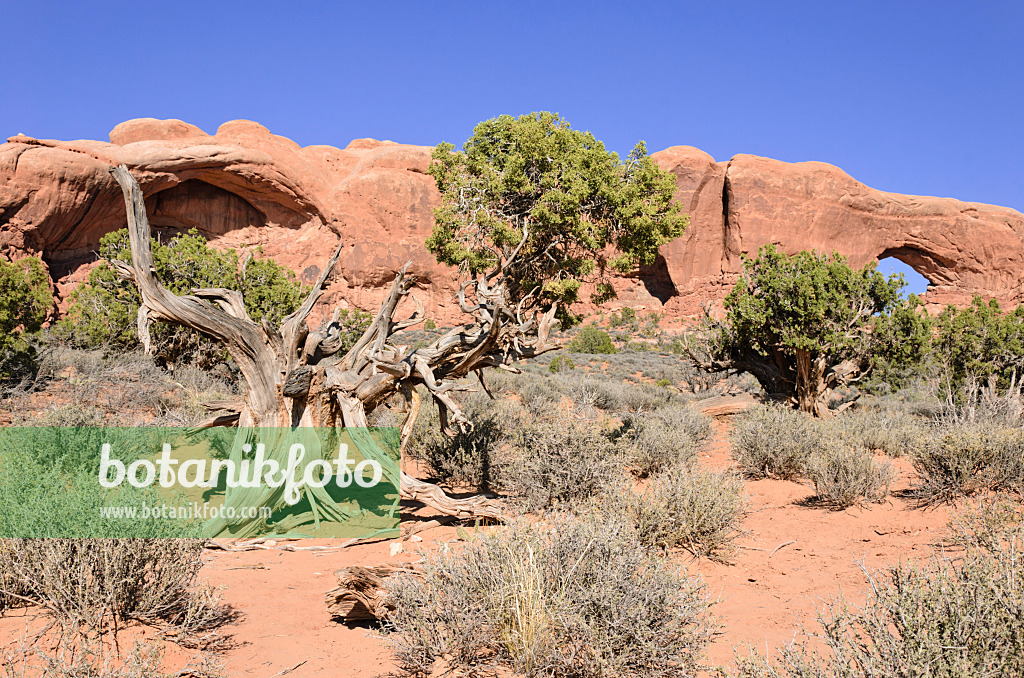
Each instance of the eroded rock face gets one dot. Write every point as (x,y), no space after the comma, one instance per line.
(737,206)
(240,187)
(245,186)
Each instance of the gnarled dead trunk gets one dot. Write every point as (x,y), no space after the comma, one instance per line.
(298,378)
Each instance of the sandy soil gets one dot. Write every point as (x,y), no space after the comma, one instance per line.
(792,559)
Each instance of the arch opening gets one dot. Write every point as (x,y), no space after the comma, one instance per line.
(916,282)
(197,204)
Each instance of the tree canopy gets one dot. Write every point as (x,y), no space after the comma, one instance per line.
(806,323)
(983,344)
(549,207)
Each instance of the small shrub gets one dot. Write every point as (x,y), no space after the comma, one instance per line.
(774,442)
(692,507)
(88,657)
(844,475)
(609,395)
(947,617)
(626,319)
(991,523)
(652,325)
(590,339)
(563,462)
(581,599)
(101,583)
(965,459)
(429,325)
(561,363)
(467,458)
(896,432)
(664,437)
(663,383)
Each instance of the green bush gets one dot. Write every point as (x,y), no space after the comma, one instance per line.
(844,475)
(581,599)
(25,300)
(591,339)
(774,442)
(692,507)
(102,311)
(626,319)
(980,346)
(561,363)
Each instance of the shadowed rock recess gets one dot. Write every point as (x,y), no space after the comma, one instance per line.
(245,186)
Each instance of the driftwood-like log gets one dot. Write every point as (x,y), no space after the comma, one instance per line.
(361,594)
(723,405)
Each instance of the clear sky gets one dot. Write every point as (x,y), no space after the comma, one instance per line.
(914,97)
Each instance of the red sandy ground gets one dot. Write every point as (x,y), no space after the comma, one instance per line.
(764,594)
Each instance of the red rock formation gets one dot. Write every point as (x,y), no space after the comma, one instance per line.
(244,186)
(737,206)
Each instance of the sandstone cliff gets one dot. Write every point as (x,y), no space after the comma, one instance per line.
(245,186)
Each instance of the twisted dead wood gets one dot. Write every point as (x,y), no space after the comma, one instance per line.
(296,377)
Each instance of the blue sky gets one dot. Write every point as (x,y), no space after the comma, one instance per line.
(914,97)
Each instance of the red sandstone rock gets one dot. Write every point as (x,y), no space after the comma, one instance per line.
(737,206)
(245,186)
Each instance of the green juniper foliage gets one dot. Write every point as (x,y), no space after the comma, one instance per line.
(981,343)
(573,197)
(815,309)
(591,339)
(25,300)
(103,311)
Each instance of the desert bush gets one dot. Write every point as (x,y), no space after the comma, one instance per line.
(25,299)
(977,402)
(692,507)
(608,394)
(467,457)
(561,363)
(844,475)
(102,311)
(101,583)
(664,437)
(563,462)
(774,442)
(579,599)
(625,319)
(965,459)
(897,432)
(591,339)
(991,523)
(89,657)
(946,617)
